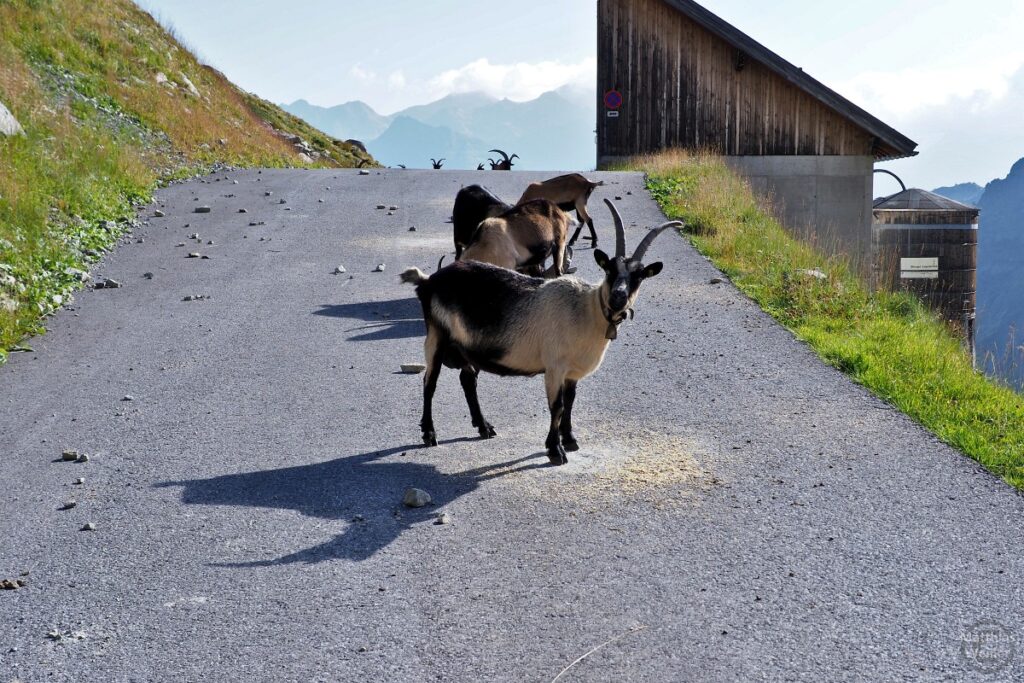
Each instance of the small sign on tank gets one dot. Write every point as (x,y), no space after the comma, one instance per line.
(927,263)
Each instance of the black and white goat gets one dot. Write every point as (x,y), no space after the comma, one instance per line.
(480,317)
(473,204)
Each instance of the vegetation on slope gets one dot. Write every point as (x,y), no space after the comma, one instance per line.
(888,342)
(111,104)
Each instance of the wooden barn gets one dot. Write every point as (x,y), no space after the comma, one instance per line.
(673,75)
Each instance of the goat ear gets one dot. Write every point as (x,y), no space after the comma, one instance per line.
(653,269)
(601,258)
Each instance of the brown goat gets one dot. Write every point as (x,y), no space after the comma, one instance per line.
(569,192)
(522,238)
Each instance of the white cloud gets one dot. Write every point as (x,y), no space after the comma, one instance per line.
(974,136)
(520,81)
(915,89)
(396,81)
(360,73)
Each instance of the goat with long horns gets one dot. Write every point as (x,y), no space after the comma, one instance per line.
(480,317)
(505,164)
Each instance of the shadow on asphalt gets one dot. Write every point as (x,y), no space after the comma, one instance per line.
(357,489)
(395,319)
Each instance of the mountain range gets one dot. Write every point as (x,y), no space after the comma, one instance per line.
(552,132)
(1000,322)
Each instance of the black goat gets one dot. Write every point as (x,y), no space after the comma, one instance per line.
(505,164)
(473,204)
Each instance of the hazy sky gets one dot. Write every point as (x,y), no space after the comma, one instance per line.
(947,73)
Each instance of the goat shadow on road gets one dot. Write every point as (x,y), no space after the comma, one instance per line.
(393,319)
(343,488)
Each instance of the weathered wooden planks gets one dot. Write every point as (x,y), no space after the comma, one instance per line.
(685,87)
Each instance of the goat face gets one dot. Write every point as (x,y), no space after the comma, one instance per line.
(622,279)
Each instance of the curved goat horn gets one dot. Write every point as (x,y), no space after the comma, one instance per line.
(620,232)
(499,152)
(641,248)
(514,156)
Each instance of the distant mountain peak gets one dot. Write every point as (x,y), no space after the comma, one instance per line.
(966,193)
(552,131)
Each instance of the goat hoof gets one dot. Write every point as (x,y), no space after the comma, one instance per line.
(569,444)
(429,439)
(557,455)
(486,430)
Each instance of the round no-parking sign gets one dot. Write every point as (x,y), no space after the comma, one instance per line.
(613,99)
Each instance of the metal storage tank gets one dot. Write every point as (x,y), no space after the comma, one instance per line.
(928,245)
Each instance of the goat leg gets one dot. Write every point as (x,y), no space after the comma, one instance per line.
(568,399)
(468,380)
(558,256)
(584,217)
(556,401)
(579,226)
(433,353)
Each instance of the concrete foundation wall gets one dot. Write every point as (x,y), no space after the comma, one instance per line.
(825,199)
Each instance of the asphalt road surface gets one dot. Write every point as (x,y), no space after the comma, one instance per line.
(738,511)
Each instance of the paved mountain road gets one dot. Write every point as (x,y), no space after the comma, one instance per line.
(760,516)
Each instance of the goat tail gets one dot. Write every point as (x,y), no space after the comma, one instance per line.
(599,183)
(413,276)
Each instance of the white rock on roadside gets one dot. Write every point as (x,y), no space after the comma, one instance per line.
(416,498)
(339,270)
(815,273)
(8,124)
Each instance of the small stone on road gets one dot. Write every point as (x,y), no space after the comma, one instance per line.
(416,498)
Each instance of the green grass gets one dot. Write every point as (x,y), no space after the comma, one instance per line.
(888,342)
(101,133)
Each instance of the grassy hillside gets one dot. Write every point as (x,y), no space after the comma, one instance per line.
(111,105)
(889,343)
